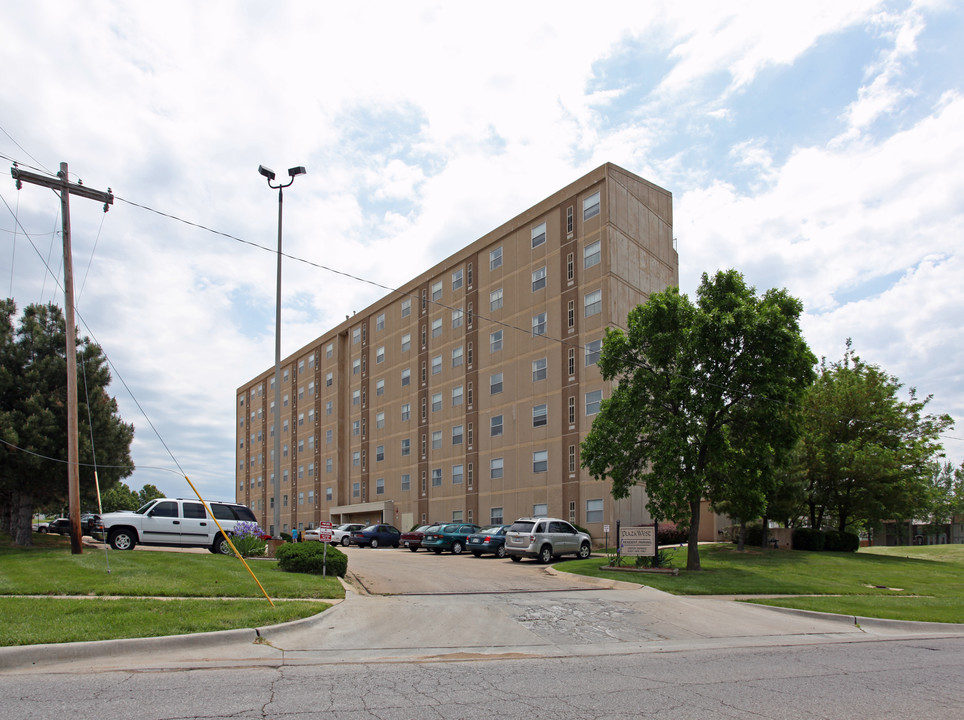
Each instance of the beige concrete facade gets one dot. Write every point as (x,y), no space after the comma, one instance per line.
(465,395)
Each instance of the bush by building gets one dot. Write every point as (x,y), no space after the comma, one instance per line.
(309,557)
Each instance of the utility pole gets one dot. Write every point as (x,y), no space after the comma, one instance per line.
(61,185)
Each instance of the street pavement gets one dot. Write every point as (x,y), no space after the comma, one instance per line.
(461,609)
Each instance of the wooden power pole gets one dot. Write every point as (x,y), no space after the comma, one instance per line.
(61,185)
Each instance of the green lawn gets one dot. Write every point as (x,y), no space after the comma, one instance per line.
(919,583)
(121,604)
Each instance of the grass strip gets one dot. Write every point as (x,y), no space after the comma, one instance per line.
(37,620)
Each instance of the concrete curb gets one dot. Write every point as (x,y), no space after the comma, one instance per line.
(867,623)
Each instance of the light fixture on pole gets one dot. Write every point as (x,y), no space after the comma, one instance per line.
(276,493)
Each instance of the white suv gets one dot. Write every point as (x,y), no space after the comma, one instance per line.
(545,539)
(175,523)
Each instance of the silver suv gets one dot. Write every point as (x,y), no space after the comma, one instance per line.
(545,539)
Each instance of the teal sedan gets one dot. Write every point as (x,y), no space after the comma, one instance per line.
(448,537)
(488,540)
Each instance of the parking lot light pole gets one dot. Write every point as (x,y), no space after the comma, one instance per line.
(276,495)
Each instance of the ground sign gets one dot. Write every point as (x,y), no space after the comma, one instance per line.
(637,541)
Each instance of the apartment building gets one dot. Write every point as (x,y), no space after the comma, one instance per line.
(464,395)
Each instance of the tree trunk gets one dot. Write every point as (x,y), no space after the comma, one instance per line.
(693,548)
(741,536)
(21,525)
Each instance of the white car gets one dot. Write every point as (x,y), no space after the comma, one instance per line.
(339,535)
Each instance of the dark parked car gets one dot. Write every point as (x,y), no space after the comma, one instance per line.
(375,535)
(448,537)
(413,538)
(488,540)
(61,526)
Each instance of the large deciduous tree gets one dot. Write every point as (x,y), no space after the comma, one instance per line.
(33,418)
(867,455)
(703,404)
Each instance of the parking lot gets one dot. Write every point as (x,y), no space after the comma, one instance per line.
(389,571)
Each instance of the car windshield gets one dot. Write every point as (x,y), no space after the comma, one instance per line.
(144,508)
(370,528)
(493,530)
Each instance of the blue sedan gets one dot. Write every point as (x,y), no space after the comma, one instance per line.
(488,540)
(375,535)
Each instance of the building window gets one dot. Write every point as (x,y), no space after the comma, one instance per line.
(329,435)
(495,341)
(406,447)
(495,426)
(355,366)
(456,318)
(593,399)
(570,221)
(437,291)
(540,510)
(356,489)
(495,516)
(406,342)
(406,376)
(329,377)
(329,350)
(457,279)
(456,474)
(380,355)
(539,278)
(594,511)
(380,387)
(570,267)
(471,439)
(593,349)
(356,427)
(495,468)
(572,410)
(355,397)
(406,482)
(436,327)
(540,461)
(590,207)
(591,255)
(538,235)
(495,384)
(538,369)
(571,314)
(572,458)
(468,273)
(436,401)
(379,420)
(540,416)
(356,336)
(328,494)
(456,434)
(406,411)
(495,258)
(539,324)
(406,307)
(456,356)
(301,419)
(436,477)
(456,395)
(593,303)
(436,439)
(380,322)
(436,364)
(356,458)
(380,486)
(468,353)
(495,299)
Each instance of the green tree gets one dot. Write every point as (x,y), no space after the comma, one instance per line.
(33,418)
(945,494)
(702,405)
(866,454)
(148,493)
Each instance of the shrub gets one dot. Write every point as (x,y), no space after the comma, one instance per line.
(833,542)
(671,534)
(841,541)
(248,539)
(808,539)
(309,558)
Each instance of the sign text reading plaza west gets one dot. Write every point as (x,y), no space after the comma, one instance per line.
(637,541)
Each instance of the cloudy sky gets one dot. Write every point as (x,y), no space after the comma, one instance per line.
(816,147)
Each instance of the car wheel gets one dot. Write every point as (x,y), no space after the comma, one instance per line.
(413,549)
(456,548)
(584,551)
(516,558)
(476,553)
(122,540)
(374,543)
(500,552)
(221,546)
(437,551)
(345,542)
(395,545)
(43,530)
(545,554)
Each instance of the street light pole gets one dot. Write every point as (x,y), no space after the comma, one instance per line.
(270,175)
